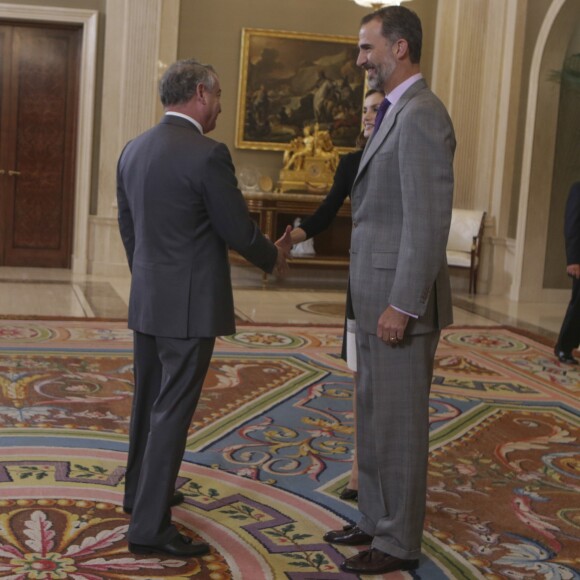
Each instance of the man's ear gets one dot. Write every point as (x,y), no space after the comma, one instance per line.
(200,91)
(401,48)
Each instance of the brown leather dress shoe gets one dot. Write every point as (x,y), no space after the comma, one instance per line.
(177,498)
(181,546)
(374,561)
(350,535)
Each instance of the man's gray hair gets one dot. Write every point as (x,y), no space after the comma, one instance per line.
(179,82)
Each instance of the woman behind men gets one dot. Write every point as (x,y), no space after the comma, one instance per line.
(321,219)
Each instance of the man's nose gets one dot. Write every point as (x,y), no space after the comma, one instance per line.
(360,59)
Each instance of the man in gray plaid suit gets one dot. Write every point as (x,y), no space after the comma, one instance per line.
(401,208)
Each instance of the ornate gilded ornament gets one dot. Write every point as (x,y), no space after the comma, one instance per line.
(309,163)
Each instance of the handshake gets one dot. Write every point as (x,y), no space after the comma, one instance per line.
(284,245)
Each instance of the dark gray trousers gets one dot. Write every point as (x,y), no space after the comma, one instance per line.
(169,375)
(569,338)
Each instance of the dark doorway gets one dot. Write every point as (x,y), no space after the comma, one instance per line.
(39,88)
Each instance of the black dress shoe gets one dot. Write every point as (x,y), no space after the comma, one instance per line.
(181,546)
(177,498)
(565,357)
(350,535)
(374,561)
(348,493)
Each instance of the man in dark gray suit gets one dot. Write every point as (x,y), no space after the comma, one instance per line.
(569,338)
(401,208)
(179,211)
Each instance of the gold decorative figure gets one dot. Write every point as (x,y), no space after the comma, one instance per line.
(309,162)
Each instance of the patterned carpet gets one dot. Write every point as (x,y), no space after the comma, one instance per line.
(270,449)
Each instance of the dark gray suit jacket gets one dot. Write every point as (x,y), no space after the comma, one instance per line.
(572,225)
(179,210)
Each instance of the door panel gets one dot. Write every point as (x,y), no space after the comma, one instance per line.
(39,160)
(5,39)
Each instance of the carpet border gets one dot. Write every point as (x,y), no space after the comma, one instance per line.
(544,340)
(245,323)
(37,318)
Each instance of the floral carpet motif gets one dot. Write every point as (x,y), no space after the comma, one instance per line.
(270,449)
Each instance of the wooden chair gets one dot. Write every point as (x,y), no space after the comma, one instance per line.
(464,244)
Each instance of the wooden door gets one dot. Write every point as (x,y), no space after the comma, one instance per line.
(39,80)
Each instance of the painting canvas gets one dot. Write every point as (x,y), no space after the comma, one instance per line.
(289,80)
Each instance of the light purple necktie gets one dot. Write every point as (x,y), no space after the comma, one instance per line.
(381,114)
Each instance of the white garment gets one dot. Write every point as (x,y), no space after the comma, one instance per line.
(351,344)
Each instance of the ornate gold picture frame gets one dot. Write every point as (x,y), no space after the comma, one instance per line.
(289,80)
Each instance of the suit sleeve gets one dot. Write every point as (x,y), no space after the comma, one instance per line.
(572,225)
(124,217)
(426,152)
(229,214)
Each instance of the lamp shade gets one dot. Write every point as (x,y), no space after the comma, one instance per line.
(378,4)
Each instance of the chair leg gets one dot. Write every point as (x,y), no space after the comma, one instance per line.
(475,282)
(470,280)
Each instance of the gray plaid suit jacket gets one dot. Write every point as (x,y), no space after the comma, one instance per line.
(401,209)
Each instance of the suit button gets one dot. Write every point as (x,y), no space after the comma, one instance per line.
(354,224)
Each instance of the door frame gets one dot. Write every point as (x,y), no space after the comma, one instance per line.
(537,170)
(88,19)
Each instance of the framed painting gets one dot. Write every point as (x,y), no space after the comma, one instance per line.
(289,80)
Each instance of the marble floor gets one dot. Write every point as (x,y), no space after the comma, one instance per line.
(305,297)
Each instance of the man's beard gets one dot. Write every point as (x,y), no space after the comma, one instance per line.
(375,82)
(381,76)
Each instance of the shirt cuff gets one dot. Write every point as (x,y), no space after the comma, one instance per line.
(404,312)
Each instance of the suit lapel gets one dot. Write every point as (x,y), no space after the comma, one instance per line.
(388,122)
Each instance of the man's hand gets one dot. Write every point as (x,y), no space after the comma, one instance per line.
(573,270)
(391,326)
(285,243)
(281,268)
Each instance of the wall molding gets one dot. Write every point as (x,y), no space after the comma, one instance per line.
(88,19)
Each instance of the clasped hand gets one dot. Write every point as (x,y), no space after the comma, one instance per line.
(391,326)
(284,245)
